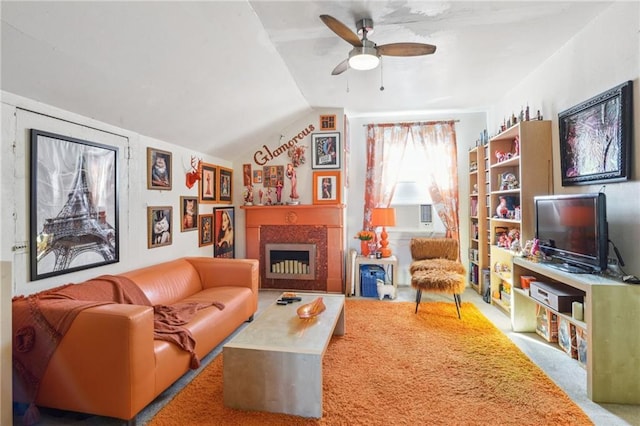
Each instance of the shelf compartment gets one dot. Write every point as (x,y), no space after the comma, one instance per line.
(499,303)
(513,161)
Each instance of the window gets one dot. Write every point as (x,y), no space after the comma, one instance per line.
(412,186)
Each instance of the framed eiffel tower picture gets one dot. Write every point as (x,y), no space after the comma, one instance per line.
(74,205)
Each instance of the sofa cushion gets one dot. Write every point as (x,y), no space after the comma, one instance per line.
(167,283)
(208,331)
(209,327)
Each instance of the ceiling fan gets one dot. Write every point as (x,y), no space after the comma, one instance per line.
(365,54)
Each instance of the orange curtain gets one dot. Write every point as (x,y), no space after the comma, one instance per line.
(438,143)
(386,145)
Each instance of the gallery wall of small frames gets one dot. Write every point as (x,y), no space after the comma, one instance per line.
(214,184)
(264,185)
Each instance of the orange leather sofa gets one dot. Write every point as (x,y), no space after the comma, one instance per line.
(108,363)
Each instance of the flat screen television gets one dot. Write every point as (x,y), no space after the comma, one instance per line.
(572,231)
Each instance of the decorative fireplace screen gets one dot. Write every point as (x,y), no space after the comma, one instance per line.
(290,261)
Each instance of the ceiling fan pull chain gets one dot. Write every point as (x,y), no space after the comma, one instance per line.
(381,82)
(347,83)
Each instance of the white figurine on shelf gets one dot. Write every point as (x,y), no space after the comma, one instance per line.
(268,201)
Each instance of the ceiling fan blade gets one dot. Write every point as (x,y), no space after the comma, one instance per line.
(341,30)
(341,67)
(406,49)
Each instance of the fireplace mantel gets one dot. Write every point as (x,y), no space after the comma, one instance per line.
(329,217)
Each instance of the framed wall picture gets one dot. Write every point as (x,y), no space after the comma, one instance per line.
(159,226)
(595,138)
(158,169)
(257,176)
(325,151)
(272,175)
(207,184)
(188,214)
(326,188)
(205,230)
(246,175)
(328,122)
(74,205)
(224,232)
(225,189)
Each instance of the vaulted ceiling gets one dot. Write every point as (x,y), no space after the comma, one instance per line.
(220,76)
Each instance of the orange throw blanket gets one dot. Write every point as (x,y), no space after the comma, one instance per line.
(41,320)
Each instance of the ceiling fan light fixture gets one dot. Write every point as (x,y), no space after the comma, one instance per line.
(363,58)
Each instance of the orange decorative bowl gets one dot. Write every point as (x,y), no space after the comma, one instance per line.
(312,309)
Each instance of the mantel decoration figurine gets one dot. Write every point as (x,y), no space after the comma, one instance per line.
(311,310)
(279,186)
(248,195)
(292,176)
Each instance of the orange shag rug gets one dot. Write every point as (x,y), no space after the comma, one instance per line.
(393,367)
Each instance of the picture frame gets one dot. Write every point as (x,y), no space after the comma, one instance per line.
(70,176)
(595,138)
(207,185)
(224,232)
(205,230)
(246,175)
(159,169)
(325,150)
(272,175)
(326,188)
(257,176)
(225,187)
(328,122)
(159,226)
(188,214)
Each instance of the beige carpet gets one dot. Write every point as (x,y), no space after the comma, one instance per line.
(394,367)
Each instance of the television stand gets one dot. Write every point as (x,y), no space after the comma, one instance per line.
(569,267)
(611,318)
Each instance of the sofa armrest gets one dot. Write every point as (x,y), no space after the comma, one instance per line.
(217,272)
(104,364)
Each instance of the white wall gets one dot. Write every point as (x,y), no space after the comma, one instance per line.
(18,116)
(468,129)
(603,55)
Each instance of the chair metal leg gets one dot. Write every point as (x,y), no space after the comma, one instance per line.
(418,297)
(456,298)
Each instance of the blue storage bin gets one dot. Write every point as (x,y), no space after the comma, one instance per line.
(369,274)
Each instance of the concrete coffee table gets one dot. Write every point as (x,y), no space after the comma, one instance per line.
(275,363)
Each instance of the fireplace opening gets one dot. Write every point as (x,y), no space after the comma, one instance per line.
(290,261)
